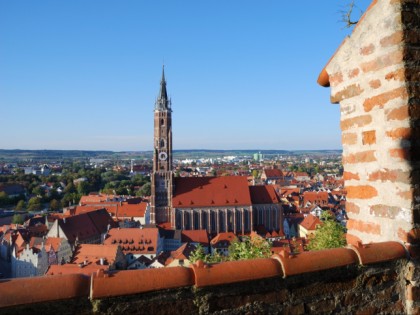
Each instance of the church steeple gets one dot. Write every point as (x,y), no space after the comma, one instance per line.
(162,102)
(162,176)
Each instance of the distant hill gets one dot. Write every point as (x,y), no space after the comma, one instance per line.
(7,155)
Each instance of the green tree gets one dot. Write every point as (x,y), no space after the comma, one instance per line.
(330,234)
(34,204)
(54,205)
(20,205)
(145,190)
(70,188)
(83,188)
(198,254)
(17,219)
(4,198)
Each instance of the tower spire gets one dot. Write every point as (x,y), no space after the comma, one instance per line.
(162,102)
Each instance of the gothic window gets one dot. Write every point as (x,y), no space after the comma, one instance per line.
(196,220)
(162,122)
(162,143)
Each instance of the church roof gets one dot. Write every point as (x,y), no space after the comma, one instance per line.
(211,192)
(263,194)
(162,102)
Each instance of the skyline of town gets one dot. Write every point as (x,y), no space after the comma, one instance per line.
(91,85)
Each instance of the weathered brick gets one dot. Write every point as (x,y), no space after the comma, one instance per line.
(399,133)
(381,99)
(402,153)
(336,78)
(384,61)
(390,175)
(407,195)
(392,39)
(348,92)
(360,157)
(399,113)
(352,207)
(397,75)
(374,84)
(353,73)
(369,137)
(358,121)
(350,176)
(384,211)
(361,192)
(364,226)
(349,138)
(367,50)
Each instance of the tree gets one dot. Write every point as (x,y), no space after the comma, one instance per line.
(34,204)
(17,219)
(330,234)
(54,205)
(4,198)
(347,15)
(145,190)
(198,254)
(20,205)
(83,188)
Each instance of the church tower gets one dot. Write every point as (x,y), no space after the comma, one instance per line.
(162,176)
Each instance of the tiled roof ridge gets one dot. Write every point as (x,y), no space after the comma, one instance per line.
(103,285)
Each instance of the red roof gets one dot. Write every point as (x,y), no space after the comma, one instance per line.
(273,173)
(310,222)
(135,241)
(263,194)
(195,236)
(223,238)
(92,254)
(318,197)
(211,192)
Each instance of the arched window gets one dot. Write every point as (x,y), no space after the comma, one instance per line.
(162,143)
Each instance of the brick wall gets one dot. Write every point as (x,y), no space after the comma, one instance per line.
(359,280)
(374,77)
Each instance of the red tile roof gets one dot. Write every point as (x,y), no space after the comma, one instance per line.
(310,222)
(211,192)
(273,173)
(133,240)
(263,194)
(223,238)
(195,236)
(318,197)
(92,254)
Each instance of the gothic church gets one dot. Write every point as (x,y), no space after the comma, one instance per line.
(217,204)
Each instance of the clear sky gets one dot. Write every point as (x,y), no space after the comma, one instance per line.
(84,74)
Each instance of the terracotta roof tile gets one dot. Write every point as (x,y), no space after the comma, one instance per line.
(310,222)
(263,194)
(134,240)
(211,192)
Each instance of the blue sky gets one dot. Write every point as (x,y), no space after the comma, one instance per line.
(84,74)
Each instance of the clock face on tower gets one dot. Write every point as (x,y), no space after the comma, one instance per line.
(163,156)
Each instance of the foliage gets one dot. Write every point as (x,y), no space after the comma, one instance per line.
(198,254)
(34,204)
(249,248)
(54,205)
(20,205)
(145,190)
(4,198)
(17,219)
(330,234)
